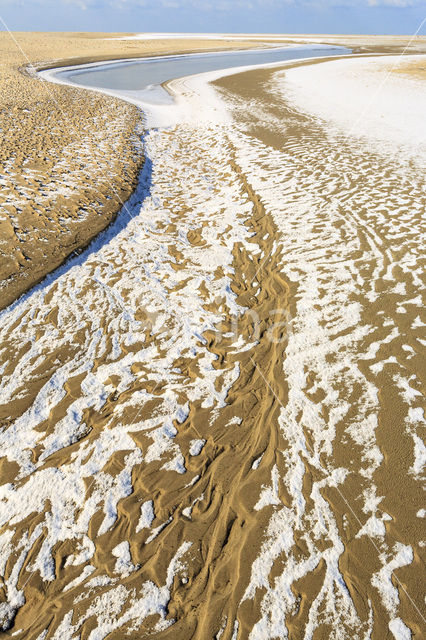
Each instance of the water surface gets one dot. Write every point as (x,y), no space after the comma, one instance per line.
(148,74)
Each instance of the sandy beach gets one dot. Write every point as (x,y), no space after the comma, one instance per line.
(212,417)
(57,147)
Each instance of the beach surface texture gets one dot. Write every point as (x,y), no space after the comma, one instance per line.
(70,159)
(211,417)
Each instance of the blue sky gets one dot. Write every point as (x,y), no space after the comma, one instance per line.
(272,16)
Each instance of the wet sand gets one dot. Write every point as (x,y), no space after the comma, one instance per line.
(212,421)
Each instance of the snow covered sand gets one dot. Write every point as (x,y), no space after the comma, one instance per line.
(350,210)
(365,97)
(211,420)
(56,147)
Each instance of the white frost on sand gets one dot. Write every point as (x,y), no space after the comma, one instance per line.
(196,446)
(374,527)
(322,255)
(103,298)
(120,606)
(403,556)
(335,220)
(87,571)
(360,97)
(399,629)
(147,516)
(419,455)
(124,564)
(269,495)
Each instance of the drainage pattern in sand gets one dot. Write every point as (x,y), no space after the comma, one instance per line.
(211,421)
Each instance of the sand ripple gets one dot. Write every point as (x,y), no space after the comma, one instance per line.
(211,419)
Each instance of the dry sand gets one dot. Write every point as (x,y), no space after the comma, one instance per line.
(164,477)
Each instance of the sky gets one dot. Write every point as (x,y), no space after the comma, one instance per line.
(230,16)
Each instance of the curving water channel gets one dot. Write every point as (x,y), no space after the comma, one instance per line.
(142,80)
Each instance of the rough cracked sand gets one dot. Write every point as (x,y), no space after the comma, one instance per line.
(191,463)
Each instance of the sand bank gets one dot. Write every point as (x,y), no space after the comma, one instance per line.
(389,44)
(382,100)
(56,149)
(69,158)
(349,213)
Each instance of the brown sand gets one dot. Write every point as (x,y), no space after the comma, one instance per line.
(226,532)
(414,69)
(69,158)
(56,149)
(403,495)
(366,43)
